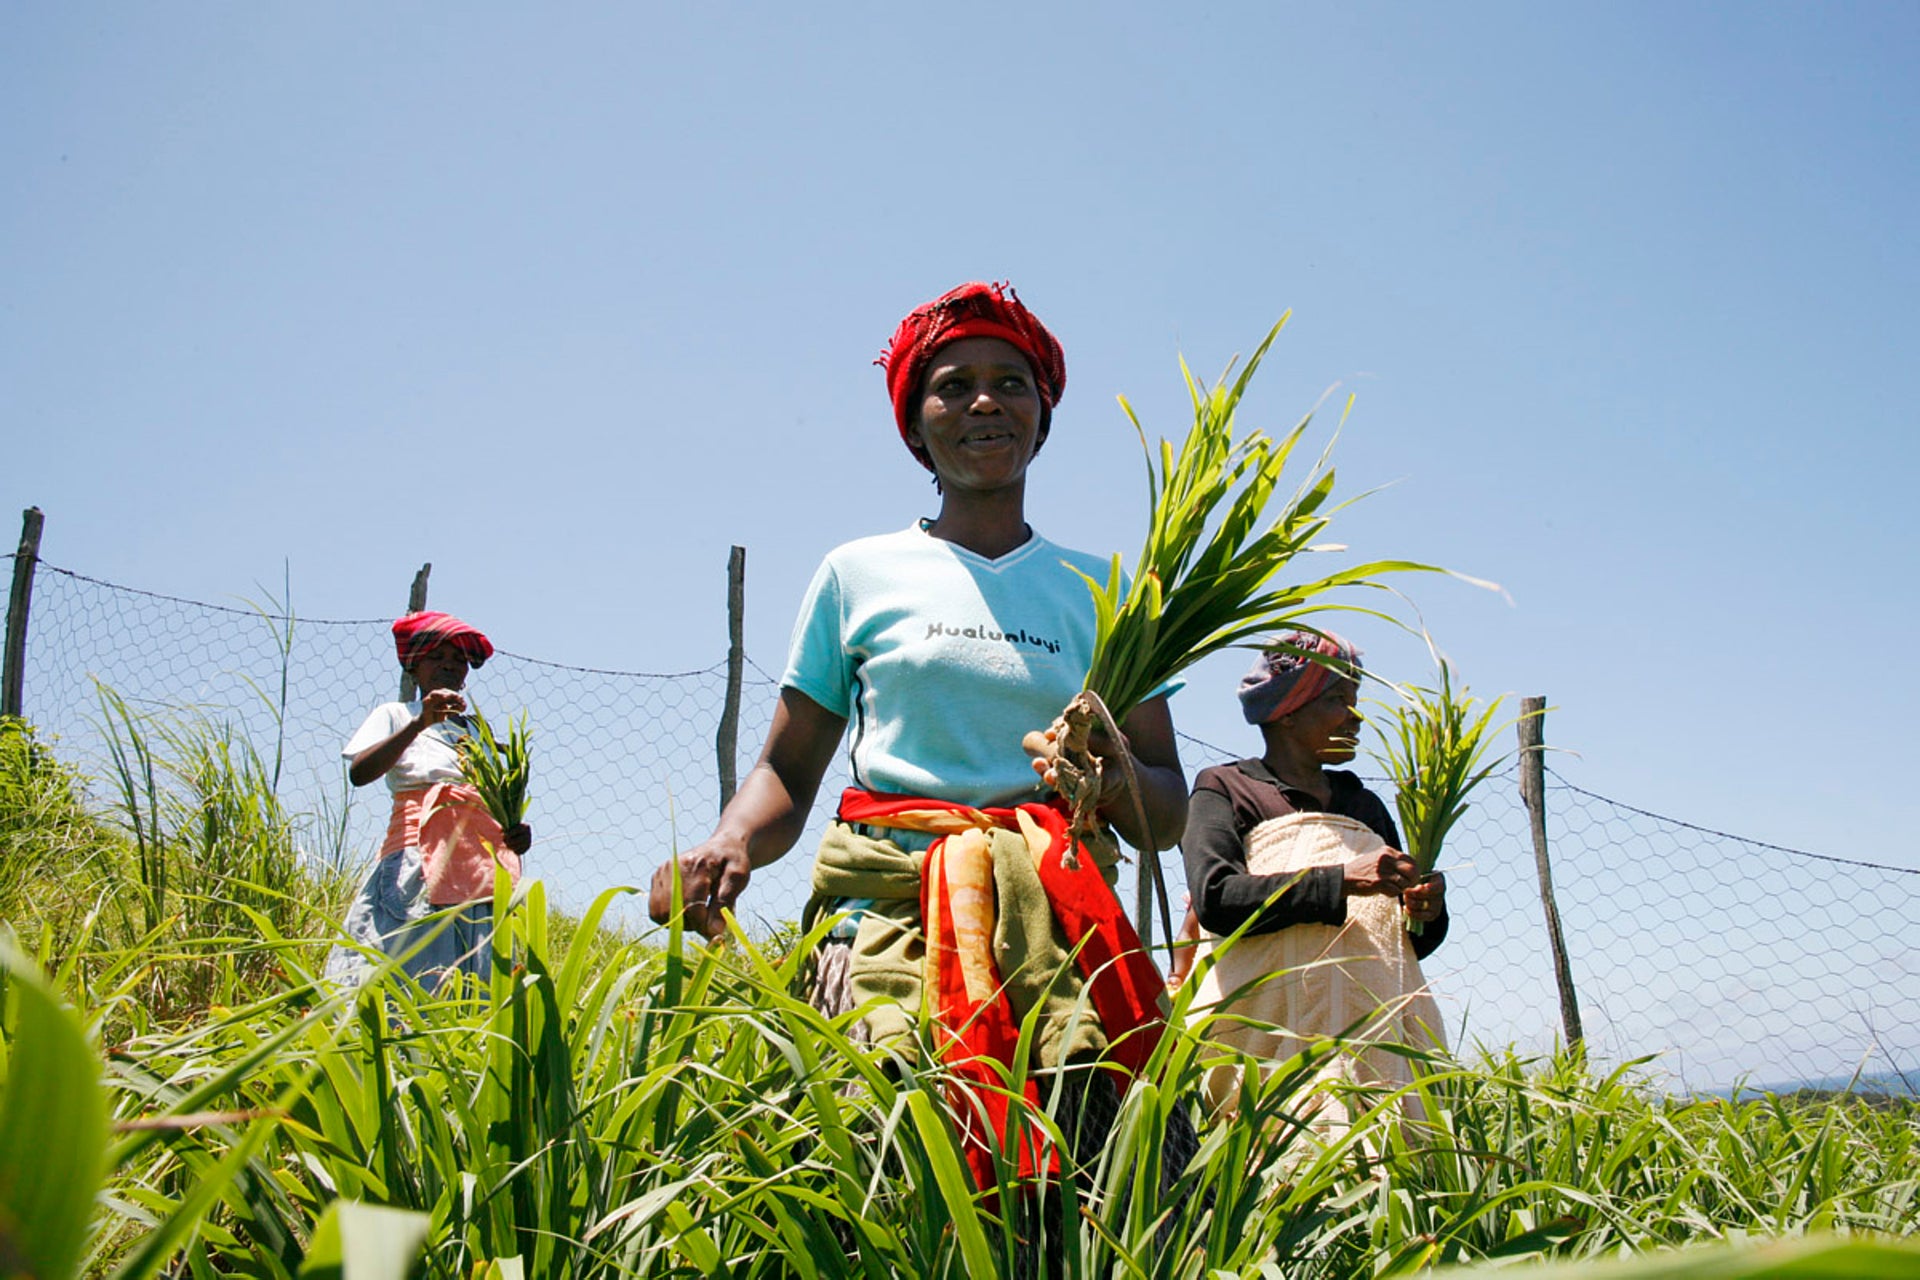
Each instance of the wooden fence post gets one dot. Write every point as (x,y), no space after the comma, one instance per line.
(726,742)
(25,561)
(1533,790)
(416,601)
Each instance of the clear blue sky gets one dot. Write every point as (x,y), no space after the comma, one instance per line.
(568,301)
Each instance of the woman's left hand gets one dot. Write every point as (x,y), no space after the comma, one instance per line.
(1147,743)
(1044,747)
(1426,901)
(519,837)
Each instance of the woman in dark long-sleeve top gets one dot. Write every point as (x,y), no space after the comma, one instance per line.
(1306,859)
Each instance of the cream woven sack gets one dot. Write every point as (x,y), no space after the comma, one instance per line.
(1361,975)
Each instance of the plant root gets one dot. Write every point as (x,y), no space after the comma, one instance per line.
(1079,775)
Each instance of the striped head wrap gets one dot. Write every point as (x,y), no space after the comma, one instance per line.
(973,310)
(417,633)
(1284,678)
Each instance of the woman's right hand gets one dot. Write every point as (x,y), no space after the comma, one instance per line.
(762,819)
(435,705)
(1387,872)
(712,875)
(441,704)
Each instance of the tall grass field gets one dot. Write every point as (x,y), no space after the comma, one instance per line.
(184,1096)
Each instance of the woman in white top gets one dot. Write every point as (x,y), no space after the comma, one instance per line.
(430,896)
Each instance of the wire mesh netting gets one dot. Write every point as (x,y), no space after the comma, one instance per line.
(1802,968)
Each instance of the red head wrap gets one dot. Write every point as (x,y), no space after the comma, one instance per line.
(972,311)
(417,633)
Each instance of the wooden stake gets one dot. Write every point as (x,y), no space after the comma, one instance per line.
(13,673)
(416,601)
(1533,790)
(726,741)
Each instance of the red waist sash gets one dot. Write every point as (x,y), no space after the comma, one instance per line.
(977,1031)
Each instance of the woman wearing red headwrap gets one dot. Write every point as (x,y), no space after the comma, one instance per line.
(430,895)
(940,646)
(1307,860)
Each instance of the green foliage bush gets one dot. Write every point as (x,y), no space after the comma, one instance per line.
(47,833)
(185,888)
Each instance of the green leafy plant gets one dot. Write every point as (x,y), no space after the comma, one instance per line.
(616,1105)
(1215,544)
(53,1127)
(1821,1257)
(355,1241)
(498,767)
(1434,747)
(1208,577)
(679,1111)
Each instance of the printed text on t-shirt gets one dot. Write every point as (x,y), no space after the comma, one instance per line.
(937,629)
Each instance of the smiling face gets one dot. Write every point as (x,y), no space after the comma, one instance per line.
(441,667)
(978,421)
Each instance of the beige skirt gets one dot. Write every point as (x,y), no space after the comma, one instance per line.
(1270,994)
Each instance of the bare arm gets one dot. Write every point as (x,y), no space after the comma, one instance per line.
(1147,736)
(762,820)
(374,762)
(1156,767)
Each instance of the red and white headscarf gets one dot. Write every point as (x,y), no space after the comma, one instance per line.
(973,310)
(1285,679)
(417,634)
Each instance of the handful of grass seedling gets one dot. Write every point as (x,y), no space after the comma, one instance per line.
(1205,580)
(498,767)
(1216,540)
(1435,747)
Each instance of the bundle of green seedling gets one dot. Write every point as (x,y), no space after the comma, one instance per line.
(1434,747)
(497,767)
(1205,580)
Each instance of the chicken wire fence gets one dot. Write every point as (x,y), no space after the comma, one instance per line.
(1803,968)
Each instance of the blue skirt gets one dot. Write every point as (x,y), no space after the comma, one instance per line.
(390,916)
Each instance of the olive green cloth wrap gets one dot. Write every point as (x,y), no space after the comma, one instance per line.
(887,967)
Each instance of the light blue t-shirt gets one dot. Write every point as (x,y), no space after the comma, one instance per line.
(941,659)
